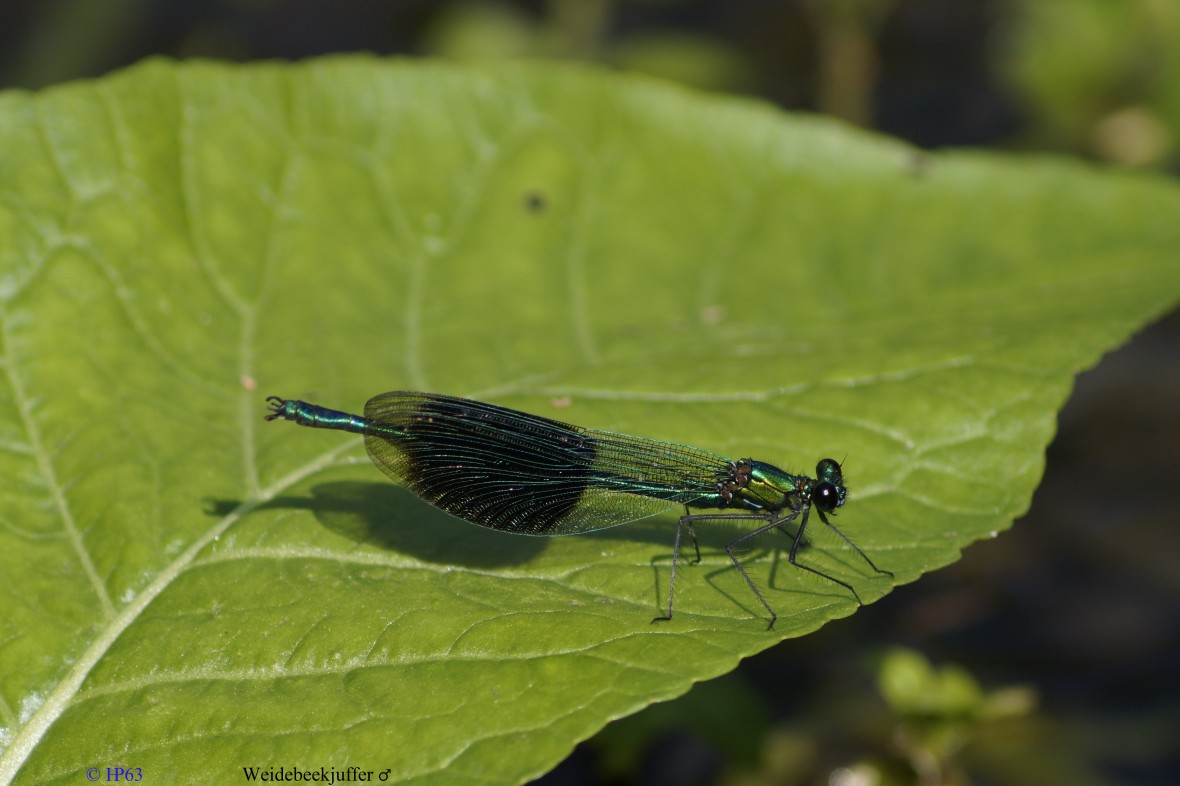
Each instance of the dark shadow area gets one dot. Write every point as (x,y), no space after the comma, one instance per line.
(391,517)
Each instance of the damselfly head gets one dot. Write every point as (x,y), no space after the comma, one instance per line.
(829,492)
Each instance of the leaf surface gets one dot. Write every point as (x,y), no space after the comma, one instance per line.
(192,591)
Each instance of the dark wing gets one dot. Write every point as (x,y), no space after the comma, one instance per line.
(522,473)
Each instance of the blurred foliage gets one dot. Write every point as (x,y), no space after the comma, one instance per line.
(924,724)
(576,29)
(1098,76)
(938,711)
(846,32)
(1120,102)
(914,731)
(697,60)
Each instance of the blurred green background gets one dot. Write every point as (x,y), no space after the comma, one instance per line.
(1048,655)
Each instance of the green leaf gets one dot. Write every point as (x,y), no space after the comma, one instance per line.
(191,590)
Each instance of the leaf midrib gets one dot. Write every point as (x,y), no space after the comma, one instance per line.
(59,699)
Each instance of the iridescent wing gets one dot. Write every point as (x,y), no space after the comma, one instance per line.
(516,472)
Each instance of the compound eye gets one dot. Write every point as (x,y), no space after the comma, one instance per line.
(829,469)
(825,497)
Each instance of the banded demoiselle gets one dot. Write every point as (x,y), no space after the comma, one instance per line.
(521,473)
